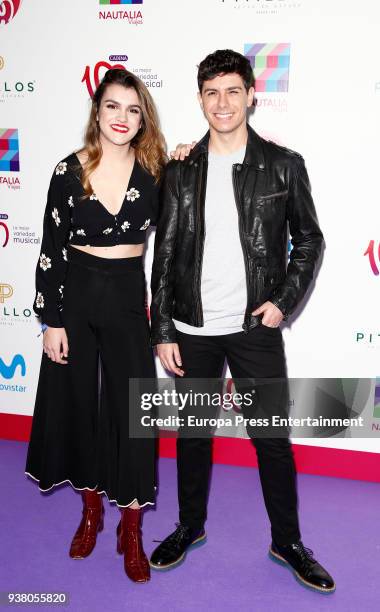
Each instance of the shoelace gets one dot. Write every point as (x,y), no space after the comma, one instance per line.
(176,536)
(306,554)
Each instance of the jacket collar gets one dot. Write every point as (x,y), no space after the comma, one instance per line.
(254,154)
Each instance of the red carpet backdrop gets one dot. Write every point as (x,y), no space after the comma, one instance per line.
(318,92)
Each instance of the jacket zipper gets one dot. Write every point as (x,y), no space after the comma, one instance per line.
(199,246)
(272,195)
(242,242)
(260,282)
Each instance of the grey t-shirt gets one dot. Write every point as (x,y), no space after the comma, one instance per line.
(223,281)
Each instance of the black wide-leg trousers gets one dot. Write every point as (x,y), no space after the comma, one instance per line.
(259,355)
(80,430)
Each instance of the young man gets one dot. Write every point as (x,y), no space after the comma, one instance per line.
(221,286)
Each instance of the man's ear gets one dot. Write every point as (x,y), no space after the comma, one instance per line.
(199,96)
(251,96)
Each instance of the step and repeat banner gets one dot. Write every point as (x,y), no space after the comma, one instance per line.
(318,92)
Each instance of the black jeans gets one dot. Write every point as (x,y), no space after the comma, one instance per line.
(260,355)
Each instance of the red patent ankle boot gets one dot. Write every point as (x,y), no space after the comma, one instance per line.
(129,543)
(84,540)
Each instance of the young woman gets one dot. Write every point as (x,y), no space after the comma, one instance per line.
(91,299)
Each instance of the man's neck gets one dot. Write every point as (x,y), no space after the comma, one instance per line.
(225,144)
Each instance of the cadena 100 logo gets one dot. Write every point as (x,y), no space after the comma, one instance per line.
(8,9)
(5,229)
(373,253)
(92,80)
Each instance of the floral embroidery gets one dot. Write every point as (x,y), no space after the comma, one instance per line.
(55,216)
(45,262)
(133,194)
(146,224)
(64,253)
(61,168)
(108,230)
(93,196)
(81,232)
(70,201)
(40,300)
(71,235)
(60,289)
(125,225)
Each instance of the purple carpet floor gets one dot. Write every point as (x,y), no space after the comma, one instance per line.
(339,521)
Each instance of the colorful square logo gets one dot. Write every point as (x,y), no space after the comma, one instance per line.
(120,1)
(270,65)
(376,411)
(9,150)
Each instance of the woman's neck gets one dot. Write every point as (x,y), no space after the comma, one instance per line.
(115,154)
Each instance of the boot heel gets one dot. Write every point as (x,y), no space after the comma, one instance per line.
(119,548)
(101,521)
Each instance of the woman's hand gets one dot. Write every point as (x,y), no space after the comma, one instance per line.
(56,345)
(182,150)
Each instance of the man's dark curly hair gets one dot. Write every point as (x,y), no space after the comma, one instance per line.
(225,61)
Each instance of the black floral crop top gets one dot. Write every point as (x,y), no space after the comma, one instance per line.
(71,219)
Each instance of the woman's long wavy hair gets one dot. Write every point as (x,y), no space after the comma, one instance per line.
(149,143)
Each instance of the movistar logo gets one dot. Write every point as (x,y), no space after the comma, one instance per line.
(8,371)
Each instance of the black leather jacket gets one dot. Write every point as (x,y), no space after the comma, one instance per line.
(272,194)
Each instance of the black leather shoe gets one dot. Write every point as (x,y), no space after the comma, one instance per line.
(304,567)
(172,551)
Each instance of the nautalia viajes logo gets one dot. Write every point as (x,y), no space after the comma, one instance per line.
(9,150)
(376,411)
(125,10)
(9,157)
(270,64)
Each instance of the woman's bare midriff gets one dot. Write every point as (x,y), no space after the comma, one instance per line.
(118,251)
